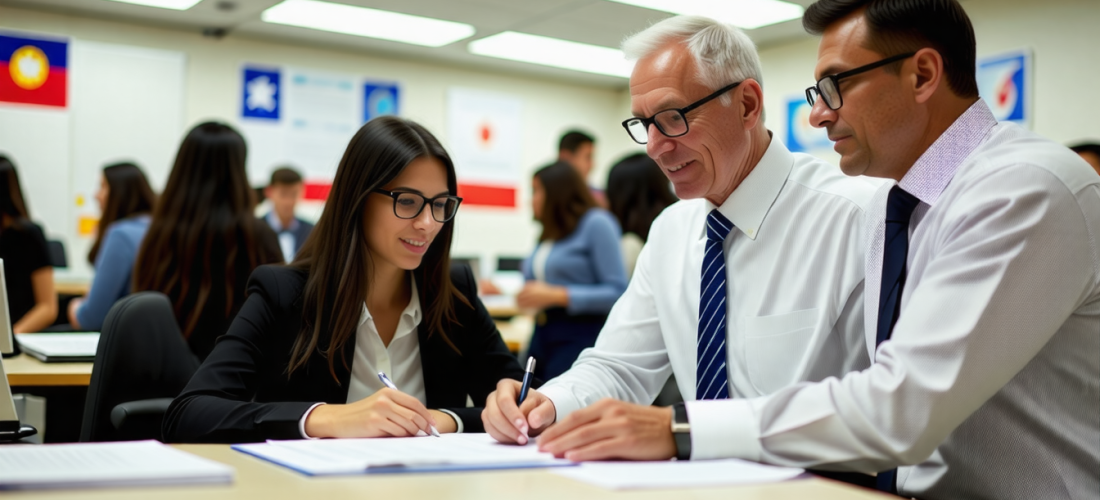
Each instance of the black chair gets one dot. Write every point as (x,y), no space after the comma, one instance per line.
(57,253)
(142,362)
(509,264)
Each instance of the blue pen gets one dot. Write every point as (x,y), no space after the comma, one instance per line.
(526,380)
(389,383)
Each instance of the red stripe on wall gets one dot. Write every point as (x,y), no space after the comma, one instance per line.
(317,191)
(485,195)
(52,93)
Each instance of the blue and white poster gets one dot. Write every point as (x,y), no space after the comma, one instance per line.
(801,136)
(261,94)
(1005,84)
(379,99)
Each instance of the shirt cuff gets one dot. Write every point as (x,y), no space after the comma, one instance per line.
(565,402)
(458,420)
(723,428)
(302,422)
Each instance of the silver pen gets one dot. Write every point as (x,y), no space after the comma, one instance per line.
(389,383)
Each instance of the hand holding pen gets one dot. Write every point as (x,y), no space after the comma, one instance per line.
(389,383)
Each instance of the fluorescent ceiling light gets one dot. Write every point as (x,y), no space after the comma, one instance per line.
(164,4)
(747,14)
(553,52)
(373,23)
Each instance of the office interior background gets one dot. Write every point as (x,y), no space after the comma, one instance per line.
(140,77)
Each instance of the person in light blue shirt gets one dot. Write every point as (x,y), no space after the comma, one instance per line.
(125,200)
(576,272)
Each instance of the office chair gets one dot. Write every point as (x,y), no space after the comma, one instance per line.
(141,363)
(57,253)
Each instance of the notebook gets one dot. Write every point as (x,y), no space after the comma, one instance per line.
(60,347)
(84,465)
(451,452)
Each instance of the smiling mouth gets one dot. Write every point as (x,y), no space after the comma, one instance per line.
(414,243)
(677,168)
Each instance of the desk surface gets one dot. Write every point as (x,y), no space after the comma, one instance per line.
(258,479)
(24,370)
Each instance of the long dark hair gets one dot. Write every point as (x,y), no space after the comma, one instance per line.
(567,200)
(11,195)
(336,256)
(202,235)
(128,194)
(637,192)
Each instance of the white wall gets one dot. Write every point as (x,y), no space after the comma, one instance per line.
(1064,38)
(212,91)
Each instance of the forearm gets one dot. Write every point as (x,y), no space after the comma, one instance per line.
(38,318)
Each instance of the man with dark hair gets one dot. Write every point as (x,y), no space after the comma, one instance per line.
(982,303)
(1090,152)
(578,148)
(284,191)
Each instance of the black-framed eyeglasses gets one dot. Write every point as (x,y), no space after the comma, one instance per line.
(828,87)
(671,122)
(408,205)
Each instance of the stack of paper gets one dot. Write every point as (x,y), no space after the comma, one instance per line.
(451,452)
(677,474)
(60,347)
(136,463)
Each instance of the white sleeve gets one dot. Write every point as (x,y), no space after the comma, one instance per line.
(1008,266)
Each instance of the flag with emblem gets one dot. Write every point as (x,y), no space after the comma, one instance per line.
(34,70)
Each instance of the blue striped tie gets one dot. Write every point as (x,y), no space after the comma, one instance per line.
(711,381)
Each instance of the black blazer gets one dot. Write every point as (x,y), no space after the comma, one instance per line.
(241,393)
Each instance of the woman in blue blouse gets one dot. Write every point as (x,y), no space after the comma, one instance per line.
(125,200)
(576,272)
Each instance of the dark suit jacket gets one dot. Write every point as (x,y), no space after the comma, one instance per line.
(300,233)
(242,393)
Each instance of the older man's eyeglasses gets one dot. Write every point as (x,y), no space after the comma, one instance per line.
(828,87)
(671,122)
(408,205)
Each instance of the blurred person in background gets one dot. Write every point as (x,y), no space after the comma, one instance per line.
(32,303)
(637,192)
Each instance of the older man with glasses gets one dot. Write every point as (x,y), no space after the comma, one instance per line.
(750,285)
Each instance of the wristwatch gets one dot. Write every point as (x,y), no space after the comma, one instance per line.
(681,431)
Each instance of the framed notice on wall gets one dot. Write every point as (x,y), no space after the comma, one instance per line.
(1005,82)
(484,133)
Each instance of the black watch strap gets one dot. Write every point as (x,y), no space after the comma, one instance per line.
(681,431)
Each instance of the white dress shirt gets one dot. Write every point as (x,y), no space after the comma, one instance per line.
(794,295)
(287,240)
(990,383)
(400,360)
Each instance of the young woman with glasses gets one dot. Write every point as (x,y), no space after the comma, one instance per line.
(371,291)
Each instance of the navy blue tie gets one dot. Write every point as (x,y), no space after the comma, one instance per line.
(711,380)
(899,208)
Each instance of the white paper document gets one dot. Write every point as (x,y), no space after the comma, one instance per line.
(51,347)
(386,455)
(677,474)
(133,463)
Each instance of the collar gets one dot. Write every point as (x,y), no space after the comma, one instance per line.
(277,225)
(747,206)
(411,312)
(929,176)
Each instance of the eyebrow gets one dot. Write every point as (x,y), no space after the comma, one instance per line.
(664,106)
(402,189)
(829,70)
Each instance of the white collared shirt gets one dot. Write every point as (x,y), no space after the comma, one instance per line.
(287,240)
(990,382)
(794,267)
(400,360)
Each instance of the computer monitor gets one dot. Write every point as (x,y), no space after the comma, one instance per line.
(10,427)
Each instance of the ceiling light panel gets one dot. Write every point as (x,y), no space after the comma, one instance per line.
(554,52)
(746,14)
(163,4)
(372,23)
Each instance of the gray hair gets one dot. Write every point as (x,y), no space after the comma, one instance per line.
(723,53)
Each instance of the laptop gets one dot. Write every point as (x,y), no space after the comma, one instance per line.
(60,347)
(10,427)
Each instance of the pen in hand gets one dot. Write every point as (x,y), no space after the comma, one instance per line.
(527,374)
(389,383)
